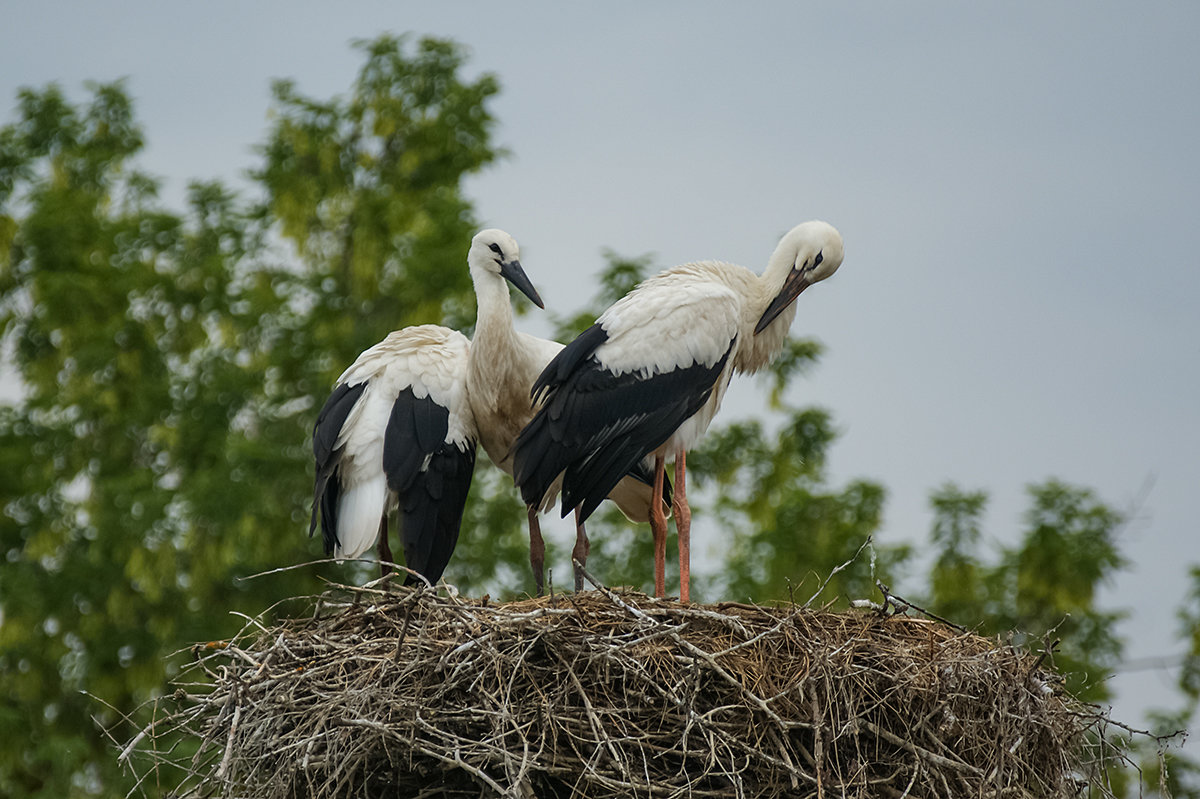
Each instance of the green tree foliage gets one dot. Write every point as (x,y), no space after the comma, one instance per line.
(172,365)
(788,531)
(956,579)
(366,189)
(1043,589)
(121,328)
(1181,777)
(1041,592)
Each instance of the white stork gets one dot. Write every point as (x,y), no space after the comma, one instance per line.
(399,430)
(648,377)
(503,365)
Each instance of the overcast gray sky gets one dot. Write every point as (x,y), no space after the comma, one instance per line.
(1017,183)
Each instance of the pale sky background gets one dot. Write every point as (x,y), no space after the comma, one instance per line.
(1018,186)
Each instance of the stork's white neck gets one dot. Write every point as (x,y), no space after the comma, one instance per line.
(499,374)
(755,352)
(495,316)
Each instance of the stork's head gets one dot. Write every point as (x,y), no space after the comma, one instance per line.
(809,253)
(494,251)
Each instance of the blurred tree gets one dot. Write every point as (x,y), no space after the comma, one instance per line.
(1042,590)
(955,579)
(366,190)
(98,301)
(171,365)
(1189,623)
(789,534)
(1181,777)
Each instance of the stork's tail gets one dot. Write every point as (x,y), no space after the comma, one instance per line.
(360,509)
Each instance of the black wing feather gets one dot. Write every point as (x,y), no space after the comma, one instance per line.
(536,459)
(595,427)
(416,428)
(326,487)
(433,510)
(654,408)
(431,421)
(431,478)
(568,360)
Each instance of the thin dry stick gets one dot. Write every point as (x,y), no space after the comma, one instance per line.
(841,568)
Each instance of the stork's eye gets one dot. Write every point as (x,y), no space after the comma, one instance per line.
(817,261)
(494,247)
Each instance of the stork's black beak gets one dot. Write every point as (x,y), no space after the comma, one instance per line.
(513,273)
(797,281)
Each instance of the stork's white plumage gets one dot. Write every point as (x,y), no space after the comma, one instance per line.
(648,377)
(503,365)
(397,430)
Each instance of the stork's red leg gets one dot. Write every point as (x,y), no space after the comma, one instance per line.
(683,525)
(537,550)
(385,550)
(580,551)
(658,526)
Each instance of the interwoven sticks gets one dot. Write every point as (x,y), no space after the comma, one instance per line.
(415,693)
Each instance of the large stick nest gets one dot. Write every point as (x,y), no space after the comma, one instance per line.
(408,692)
